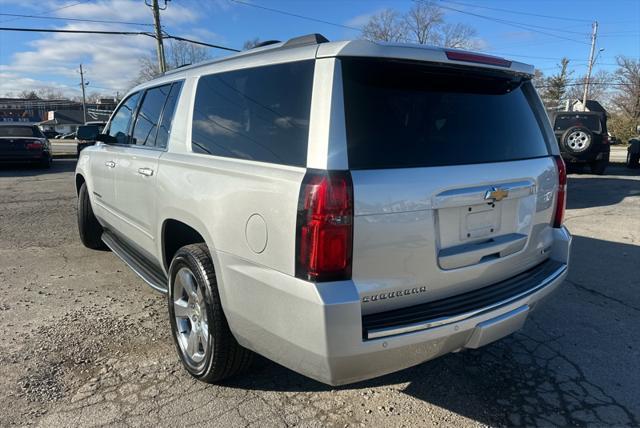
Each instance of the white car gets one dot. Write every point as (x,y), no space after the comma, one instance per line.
(345,209)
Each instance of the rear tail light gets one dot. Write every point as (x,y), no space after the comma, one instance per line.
(324,230)
(561,202)
(35,145)
(606,139)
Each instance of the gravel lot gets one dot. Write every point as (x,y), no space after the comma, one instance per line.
(84,342)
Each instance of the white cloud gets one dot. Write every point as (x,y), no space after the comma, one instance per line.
(360,21)
(110,61)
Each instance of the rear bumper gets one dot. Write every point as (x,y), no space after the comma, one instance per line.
(26,156)
(596,153)
(317,329)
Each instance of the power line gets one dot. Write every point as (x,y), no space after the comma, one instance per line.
(295,15)
(513,24)
(50,10)
(562,18)
(119,33)
(99,21)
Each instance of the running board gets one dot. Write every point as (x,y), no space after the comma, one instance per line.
(146,270)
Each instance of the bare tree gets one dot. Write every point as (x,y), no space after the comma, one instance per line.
(251,43)
(598,89)
(28,95)
(459,36)
(178,53)
(385,26)
(627,78)
(423,22)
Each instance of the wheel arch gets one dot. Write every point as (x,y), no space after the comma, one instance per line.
(80,180)
(176,232)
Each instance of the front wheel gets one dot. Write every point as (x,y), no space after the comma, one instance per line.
(88,226)
(199,327)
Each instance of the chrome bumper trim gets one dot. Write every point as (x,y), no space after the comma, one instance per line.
(437,322)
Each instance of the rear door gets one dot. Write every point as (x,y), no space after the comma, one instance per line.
(453,179)
(138,165)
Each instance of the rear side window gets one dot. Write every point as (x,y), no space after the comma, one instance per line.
(401,115)
(167,116)
(589,121)
(259,114)
(146,127)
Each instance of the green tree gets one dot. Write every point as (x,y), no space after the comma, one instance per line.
(554,87)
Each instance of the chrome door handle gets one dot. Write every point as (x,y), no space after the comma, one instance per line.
(110,164)
(148,172)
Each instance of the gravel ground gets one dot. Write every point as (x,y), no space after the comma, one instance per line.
(84,342)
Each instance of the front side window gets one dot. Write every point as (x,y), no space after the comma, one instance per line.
(121,121)
(259,114)
(146,127)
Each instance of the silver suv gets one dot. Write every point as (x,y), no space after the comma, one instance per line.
(345,209)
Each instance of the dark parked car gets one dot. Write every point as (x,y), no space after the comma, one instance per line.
(24,143)
(583,139)
(633,153)
(86,134)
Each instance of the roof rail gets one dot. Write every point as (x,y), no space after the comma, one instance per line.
(309,39)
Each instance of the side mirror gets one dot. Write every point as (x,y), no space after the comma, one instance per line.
(105,138)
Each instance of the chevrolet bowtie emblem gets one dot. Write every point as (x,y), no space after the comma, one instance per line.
(496,194)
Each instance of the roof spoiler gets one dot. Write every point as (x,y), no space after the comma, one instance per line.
(309,39)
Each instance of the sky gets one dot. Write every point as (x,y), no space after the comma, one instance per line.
(539,32)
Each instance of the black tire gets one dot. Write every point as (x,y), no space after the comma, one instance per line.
(223,356)
(633,160)
(598,166)
(574,145)
(88,227)
(45,162)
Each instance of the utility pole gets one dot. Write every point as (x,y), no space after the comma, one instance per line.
(84,100)
(594,35)
(162,66)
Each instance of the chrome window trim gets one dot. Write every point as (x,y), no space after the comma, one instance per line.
(438,322)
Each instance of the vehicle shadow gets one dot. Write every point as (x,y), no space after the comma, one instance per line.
(599,191)
(27,170)
(545,374)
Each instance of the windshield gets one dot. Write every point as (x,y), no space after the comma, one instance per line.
(568,120)
(20,131)
(401,114)
(88,132)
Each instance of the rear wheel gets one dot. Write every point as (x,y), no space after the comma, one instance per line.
(633,160)
(577,139)
(45,162)
(88,227)
(598,166)
(199,327)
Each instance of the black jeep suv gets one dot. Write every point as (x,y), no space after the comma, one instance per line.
(583,138)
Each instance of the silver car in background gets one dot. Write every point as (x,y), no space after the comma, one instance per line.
(346,209)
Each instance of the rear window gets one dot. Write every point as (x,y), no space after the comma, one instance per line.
(21,131)
(589,121)
(259,114)
(401,115)
(88,132)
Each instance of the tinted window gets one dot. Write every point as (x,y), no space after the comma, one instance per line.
(121,121)
(402,114)
(21,131)
(260,114)
(167,115)
(88,132)
(587,120)
(146,127)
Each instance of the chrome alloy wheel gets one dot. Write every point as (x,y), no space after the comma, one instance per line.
(190,312)
(578,141)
